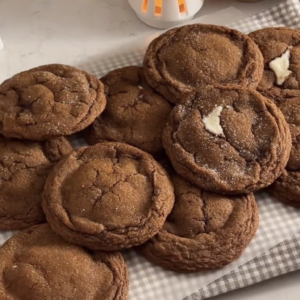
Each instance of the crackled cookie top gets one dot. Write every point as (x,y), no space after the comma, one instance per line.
(108,196)
(281,51)
(291,112)
(185,59)
(134,114)
(248,153)
(38,264)
(24,167)
(49,101)
(204,230)
(286,188)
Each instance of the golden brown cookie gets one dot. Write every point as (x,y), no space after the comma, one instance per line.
(38,264)
(230,141)
(134,114)
(204,231)
(287,187)
(280,48)
(49,101)
(107,197)
(183,60)
(24,167)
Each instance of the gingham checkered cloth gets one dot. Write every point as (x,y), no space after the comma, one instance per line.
(279,260)
(285,257)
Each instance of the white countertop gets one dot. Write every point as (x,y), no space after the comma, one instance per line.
(74,30)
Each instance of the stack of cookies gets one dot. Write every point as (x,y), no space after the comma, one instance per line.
(177,148)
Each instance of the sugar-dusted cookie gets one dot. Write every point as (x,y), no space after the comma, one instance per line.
(204,231)
(287,187)
(24,167)
(281,51)
(229,141)
(38,264)
(183,60)
(49,101)
(108,196)
(134,114)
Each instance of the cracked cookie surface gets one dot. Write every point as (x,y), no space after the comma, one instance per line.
(49,101)
(250,154)
(38,264)
(204,230)
(134,113)
(108,197)
(287,188)
(183,60)
(273,42)
(24,167)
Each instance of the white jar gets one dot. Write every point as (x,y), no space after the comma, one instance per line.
(1,44)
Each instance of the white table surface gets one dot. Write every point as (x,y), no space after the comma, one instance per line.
(63,27)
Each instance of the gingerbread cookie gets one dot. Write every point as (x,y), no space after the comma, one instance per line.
(49,101)
(38,264)
(280,48)
(204,231)
(108,197)
(24,167)
(134,114)
(287,187)
(183,60)
(230,141)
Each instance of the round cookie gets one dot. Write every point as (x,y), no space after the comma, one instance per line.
(291,111)
(49,101)
(108,197)
(274,43)
(24,167)
(287,187)
(204,230)
(134,113)
(38,264)
(183,60)
(230,141)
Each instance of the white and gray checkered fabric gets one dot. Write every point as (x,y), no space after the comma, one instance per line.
(281,259)
(149,282)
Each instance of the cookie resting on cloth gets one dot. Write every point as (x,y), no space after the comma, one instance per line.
(183,60)
(24,168)
(204,230)
(108,197)
(134,113)
(49,101)
(287,187)
(38,264)
(279,43)
(229,141)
